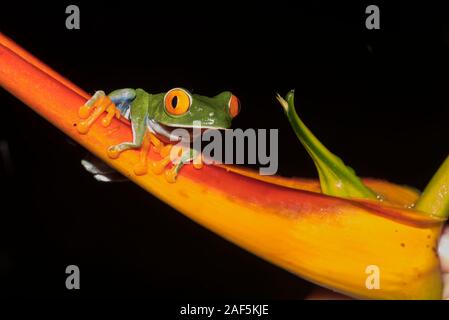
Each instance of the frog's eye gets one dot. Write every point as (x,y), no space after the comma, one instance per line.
(233,106)
(177,101)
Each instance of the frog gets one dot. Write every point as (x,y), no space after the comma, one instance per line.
(154,117)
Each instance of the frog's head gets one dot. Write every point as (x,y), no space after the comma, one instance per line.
(179,108)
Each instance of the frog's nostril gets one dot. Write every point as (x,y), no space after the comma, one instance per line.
(233,106)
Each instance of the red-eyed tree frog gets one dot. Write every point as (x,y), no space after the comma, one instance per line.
(153,118)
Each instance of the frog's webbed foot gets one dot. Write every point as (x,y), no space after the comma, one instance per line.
(141,167)
(140,141)
(92,110)
(158,146)
(158,166)
(183,157)
(115,150)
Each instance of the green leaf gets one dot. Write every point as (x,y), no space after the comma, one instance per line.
(336,179)
(435,198)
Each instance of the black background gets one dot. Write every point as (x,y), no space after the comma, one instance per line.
(377,98)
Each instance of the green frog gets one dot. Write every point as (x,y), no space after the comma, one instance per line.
(153,118)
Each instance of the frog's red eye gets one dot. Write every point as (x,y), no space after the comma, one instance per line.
(233,106)
(177,101)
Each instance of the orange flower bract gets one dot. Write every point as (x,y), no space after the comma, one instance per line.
(327,240)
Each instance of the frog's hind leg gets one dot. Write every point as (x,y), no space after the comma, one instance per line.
(139,109)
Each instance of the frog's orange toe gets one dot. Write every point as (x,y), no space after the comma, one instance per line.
(165,150)
(113,153)
(82,127)
(106,121)
(171,174)
(157,167)
(111,112)
(140,169)
(84,111)
(197,165)
(198,161)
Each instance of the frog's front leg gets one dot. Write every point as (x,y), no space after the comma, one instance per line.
(85,110)
(93,108)
(139,114)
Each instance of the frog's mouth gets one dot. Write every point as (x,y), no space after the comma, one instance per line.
(165,132)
